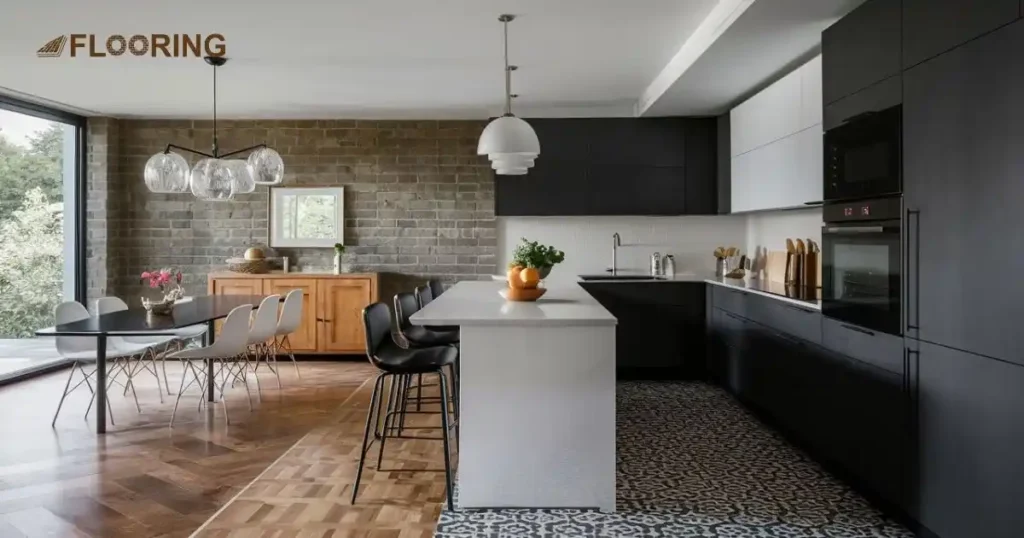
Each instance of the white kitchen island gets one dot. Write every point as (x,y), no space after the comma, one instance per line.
(537,397)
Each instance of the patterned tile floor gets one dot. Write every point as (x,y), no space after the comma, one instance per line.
(692,462)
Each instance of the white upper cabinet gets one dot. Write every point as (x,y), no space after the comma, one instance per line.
(810,93)
(776,143)
(767,116)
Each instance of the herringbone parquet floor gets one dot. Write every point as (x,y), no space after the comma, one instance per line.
(307,492)
(146,480)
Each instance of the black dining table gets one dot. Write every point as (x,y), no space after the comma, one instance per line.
(137,322)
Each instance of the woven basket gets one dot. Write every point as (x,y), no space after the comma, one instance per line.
(253,267)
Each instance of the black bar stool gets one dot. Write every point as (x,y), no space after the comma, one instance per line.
(407,304)
(435,287)
(424,296)
(400,364)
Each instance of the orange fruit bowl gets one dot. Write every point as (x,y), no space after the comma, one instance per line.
(522,294)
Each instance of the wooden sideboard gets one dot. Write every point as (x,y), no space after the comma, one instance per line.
(332,320)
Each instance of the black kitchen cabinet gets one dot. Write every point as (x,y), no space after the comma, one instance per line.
(724,174)
(551,188)
(861,49)
(931,27)
(850,414)
(661,327)
(963,121)
(970,481)
(618,189)
(563,139)
(701,197)
(617,166)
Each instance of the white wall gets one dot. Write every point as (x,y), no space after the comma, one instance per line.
(587,241)
(768,231)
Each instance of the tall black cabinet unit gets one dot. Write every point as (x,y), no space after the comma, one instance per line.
(931,27)
(970,480)
(963,130)
(617,166)
(860,49)
(963,136)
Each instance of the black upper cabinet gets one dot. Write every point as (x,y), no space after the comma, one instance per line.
(963,123)
(562,139)
(931,27)
(617,166)
(700,197)
(637,190)
(970,480)
(724,174)
(861,49)
(549,188)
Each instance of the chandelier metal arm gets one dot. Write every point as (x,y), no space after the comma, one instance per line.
(257,146)
(215,155)
(200,153)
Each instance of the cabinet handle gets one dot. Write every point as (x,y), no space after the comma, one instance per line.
(857,329)
(915,323)
(797,308)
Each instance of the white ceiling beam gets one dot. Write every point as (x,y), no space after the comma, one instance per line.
(722,16)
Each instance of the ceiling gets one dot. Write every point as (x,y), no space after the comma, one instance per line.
(413,58)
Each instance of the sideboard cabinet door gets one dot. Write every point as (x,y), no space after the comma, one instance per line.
(340,307)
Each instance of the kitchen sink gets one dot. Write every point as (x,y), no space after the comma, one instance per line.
(620,277)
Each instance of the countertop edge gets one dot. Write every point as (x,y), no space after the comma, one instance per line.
(517,322)
(795,302)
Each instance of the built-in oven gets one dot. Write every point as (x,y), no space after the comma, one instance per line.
(863,156)
(861,263)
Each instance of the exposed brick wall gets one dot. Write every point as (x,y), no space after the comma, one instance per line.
(102,259)
(418,200)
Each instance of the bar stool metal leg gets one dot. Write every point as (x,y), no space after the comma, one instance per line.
(444,436)
(374,400)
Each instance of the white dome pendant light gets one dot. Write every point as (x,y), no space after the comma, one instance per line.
(508,141)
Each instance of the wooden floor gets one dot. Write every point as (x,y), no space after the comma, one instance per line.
(144,479)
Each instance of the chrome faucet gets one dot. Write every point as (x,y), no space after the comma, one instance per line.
(616,243)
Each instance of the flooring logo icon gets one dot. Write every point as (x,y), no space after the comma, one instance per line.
(53,48)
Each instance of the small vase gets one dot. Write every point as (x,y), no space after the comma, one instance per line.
(337,263)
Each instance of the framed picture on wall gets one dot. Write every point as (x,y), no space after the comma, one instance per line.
(307,216)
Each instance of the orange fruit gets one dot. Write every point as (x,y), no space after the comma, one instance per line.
(514,280)
(530,277)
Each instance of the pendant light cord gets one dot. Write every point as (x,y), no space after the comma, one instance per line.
(215,111)
(508,76)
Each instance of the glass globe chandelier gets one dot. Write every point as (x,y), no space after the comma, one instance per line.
(509,142)
(215,177)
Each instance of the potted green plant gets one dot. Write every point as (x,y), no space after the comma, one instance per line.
(540,257)
(339,252)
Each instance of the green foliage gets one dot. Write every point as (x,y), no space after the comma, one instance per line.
(339,248)
(532,254)
(31,232)
(31,274)
(38,166)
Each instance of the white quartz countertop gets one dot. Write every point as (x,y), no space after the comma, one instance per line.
(773,290)
(479,303)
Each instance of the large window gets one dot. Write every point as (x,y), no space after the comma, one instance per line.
(41,231)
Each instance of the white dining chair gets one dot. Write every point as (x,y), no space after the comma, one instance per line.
(81,350)
(291,319)
(227,352)
(176,337)
(261,334)
(146,346)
